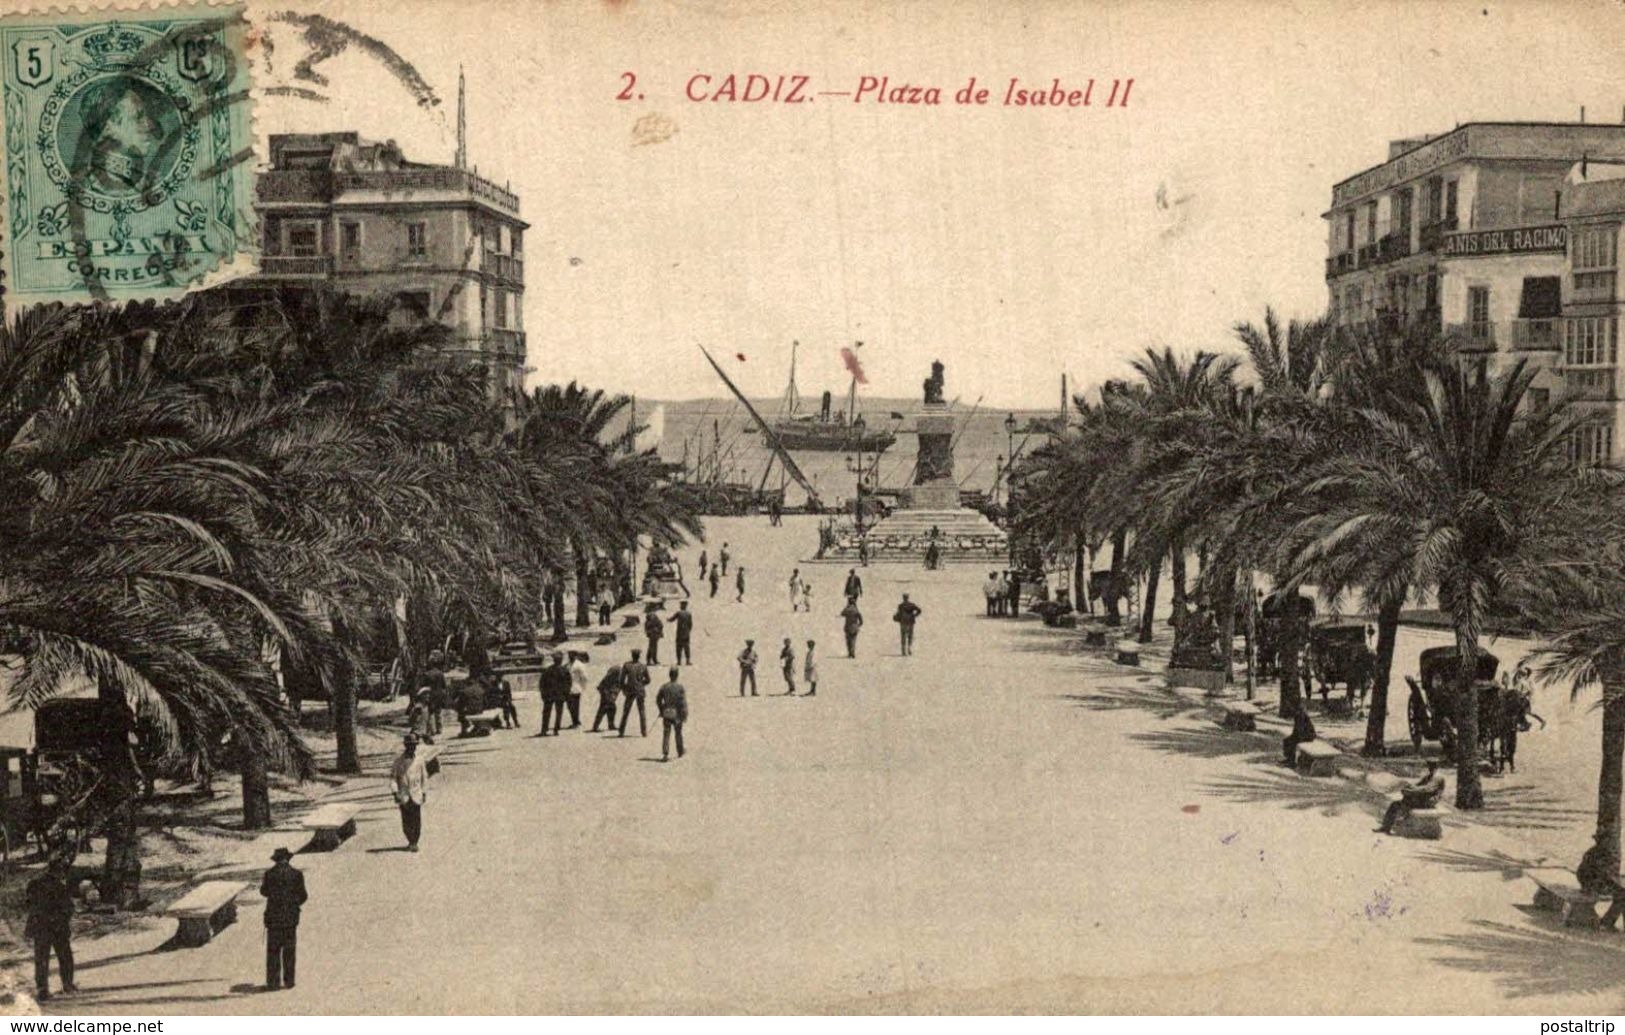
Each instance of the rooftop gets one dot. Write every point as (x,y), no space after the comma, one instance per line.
(319,168)
(1545,141)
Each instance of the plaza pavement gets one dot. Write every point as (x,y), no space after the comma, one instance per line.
(1000,823)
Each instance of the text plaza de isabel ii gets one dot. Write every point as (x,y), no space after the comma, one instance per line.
(1507,236)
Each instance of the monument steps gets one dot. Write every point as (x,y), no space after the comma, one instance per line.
(963,536)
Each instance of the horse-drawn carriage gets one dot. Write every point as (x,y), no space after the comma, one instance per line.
(1434,699)
(1274,614)
(1337,653)
(54,793)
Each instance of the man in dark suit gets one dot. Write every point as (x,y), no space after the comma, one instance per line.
(908,612)
(634,686)
(655,630)
(672,701)
(284,891)
(684,621)
(854,585)
(50,927)
(555,684)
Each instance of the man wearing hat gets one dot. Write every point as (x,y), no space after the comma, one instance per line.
(410,785)
(284,891)
(50,927)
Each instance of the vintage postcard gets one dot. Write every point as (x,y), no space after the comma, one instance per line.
(516,507)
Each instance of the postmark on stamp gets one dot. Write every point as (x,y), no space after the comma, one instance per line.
(128,139)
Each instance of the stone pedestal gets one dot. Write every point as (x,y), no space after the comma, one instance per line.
(930,507)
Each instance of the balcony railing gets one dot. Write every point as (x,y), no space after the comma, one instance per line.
(1393,246)
(1590,384)
(507,267)
(1340,263)
(507,344)
(296,265)
(1432,235)
(429,179)
(1536,334)
(314,186)
(1366,255)
(1474,335)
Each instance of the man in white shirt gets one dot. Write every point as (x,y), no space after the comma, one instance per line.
(990,590)
(578,685)
(795,590)
(410,785)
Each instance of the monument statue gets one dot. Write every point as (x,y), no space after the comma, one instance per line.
(934,460)
(934,383)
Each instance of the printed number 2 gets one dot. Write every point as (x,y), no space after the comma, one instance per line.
(626,93)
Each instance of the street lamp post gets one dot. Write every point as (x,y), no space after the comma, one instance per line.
(1009,489)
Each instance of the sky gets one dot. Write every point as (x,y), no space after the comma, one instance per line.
(1010,243)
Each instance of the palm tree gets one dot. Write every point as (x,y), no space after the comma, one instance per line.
(119,533)
(611,495)
(1471,484)
(1571,587)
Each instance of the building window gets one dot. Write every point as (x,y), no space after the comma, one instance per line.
(499,309)
(1594,258)
(1540,399)
(1431,295)
(417,240)
(1591,341)
(414,304)
(1478,314)
(1435,196)
(1595,248)
(1591,444)
(350,238)
(1371,222)
(1348,232)
(304,238)
(1450,205)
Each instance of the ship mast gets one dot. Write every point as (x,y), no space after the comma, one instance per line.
(767,431)
(852,397)
(791,399)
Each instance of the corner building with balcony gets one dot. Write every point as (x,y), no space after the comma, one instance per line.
(1465,232)
(446,244)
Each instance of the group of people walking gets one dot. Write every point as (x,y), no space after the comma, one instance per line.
(715,571)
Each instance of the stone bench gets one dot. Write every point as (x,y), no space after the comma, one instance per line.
(1317,758)
(1558,891)
(331,824)
(1209,681)
(1241,716)
(205,911)
(1422,824)
(1128,652)
(1094,638)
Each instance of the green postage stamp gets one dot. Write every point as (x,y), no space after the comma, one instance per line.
(129,152)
